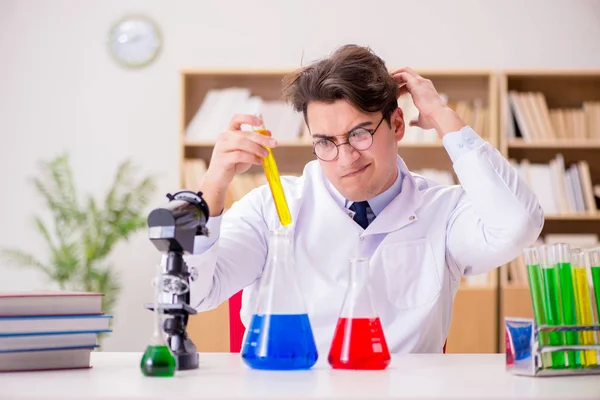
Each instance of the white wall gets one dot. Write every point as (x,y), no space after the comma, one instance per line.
(59,90)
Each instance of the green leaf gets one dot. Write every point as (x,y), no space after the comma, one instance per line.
(105,281)
(41,227)
(65,260)
(81,234)
(20,258)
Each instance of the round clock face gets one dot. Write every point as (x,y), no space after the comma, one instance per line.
(134,41)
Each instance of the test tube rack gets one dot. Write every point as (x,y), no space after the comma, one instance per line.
(524,351)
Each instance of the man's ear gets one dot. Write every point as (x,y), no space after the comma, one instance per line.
(397,121)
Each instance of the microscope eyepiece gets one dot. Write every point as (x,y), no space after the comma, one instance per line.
(174,226)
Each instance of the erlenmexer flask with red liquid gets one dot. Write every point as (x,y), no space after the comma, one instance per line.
(358,341)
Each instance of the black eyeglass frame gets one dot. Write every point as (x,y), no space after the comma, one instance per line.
(337,146)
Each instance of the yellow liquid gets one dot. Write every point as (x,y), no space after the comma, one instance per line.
(272,173)
(583,304)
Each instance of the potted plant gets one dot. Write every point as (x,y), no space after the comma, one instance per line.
(83,232)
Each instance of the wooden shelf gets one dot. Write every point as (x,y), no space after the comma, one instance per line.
(573,217)
(474,327)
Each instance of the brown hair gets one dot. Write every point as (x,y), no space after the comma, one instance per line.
(352,73)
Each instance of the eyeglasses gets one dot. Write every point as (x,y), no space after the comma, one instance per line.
(359,139)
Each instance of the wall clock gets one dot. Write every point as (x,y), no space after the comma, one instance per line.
(135,41)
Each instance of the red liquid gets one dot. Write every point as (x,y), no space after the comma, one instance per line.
(359,343)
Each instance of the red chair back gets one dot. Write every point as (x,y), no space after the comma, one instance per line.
(236,328)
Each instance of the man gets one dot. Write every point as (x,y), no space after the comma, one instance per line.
(359,199)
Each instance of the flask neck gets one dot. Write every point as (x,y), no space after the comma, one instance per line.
(279,292)
(359,272)
(280,248)
(358,302)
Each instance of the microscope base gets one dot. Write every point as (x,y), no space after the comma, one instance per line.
(187,361)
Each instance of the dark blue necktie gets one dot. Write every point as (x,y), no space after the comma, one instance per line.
(360,213)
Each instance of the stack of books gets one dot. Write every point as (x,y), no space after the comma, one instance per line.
(49,330)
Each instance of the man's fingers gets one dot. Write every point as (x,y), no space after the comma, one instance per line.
(261,139)
(403,77)
(402,90)
(240,119)
(407,70)
(245,144)
(241,157)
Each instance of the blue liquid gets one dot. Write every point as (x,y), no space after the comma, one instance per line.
(280,342)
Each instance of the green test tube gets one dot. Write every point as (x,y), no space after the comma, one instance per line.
(594,260)
(552,302)
(562,258)
(583,305)
(536,290)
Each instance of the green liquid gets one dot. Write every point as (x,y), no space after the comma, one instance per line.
(568,311)
(596,282)
(536,289)
(158,361)
(552,311)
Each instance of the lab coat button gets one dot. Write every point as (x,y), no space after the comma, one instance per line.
(470,140)
(460,145)
(411,218)
(361,239)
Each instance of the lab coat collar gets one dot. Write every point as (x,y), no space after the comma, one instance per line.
(400,212)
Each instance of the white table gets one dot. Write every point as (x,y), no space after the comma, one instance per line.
(224,376)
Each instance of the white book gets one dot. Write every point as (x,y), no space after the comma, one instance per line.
(48,341)
(541,182)
(202,116)
(50,303)
(577,188)
(45,360)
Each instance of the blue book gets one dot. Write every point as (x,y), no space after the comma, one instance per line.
(37,324)
(47,341)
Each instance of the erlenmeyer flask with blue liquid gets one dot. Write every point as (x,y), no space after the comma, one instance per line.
(280,336)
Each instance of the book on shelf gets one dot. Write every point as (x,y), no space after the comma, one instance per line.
(474,113)
(49,330)
(532,120)
(561,189)
(220,105)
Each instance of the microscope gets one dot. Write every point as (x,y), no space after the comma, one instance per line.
(172,229)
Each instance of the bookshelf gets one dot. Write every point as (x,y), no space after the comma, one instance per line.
(473,94)
(550,126)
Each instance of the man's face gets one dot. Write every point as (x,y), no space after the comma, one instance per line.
(357,174)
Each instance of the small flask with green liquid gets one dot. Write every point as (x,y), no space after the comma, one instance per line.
(158,360)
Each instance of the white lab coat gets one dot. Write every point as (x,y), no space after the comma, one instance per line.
(420,246)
